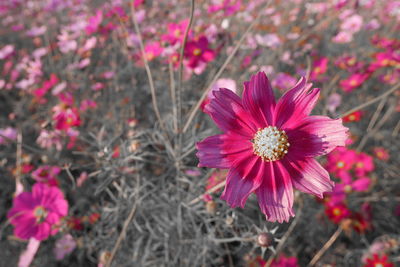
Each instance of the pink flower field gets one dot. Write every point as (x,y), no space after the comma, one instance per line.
(249,133)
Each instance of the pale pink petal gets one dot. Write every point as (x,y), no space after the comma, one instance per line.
(308,176)
(228,113)
(275,195)
(259,99)
(238,189)
(26,257)
(295,104)
(315,136)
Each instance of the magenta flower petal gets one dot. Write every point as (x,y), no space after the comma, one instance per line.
(228,113)
(219,151)
(309,176)
(238,189)
(275,195)
(316,135)
(295,104)
(258,99)
(361,184)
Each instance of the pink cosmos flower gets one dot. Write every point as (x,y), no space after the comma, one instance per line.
(153,50)
(220,83)
(47,174)
(197,52)
(283,81)
(269,147)
(94,23)
(320,66)
(340,161)
(284,261)
(355,80)
(37,214)
(7,134)
(175,32)
(64,246)
(381,153)
(352,24)
(333,101)
(343,37)
(364,164)
(229,7)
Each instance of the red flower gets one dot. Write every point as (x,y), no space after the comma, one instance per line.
(355,116)
(198,52)
(377,261)
(269,147)
(336,212)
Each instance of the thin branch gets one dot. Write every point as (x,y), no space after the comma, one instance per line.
(372,101)
(195,108)
(211,190)
(148,71)
(327,245)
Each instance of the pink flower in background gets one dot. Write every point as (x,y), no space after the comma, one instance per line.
(66,43)
(197,52)
(271,40)
(381,153)
(6,51)
(333,102)
(64,246)
(36,31)
(269,147)
(348,186)
(353,81)
(175,32)
(47,85)
(343,37)
(47,174)
(283,81)
(37,214)
(229,7)
(66,118)
(8,134)
(320,66)
(94,23)
(153,50)
(284,261)
(340,161)
(352,24)
(48,139)
(220,83)
(364,164)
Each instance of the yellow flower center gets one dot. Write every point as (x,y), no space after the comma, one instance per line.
(340,164)
(177,33)
(197,52)
(40,213)
(270,144)
(337,212)
(348,188)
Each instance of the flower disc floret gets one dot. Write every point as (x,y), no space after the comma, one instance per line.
(270,143)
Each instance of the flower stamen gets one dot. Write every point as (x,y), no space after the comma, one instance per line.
(270,143)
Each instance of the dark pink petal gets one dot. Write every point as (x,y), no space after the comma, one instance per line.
(228,113)
(361,184)
(43,231)
(237,188)
(259,99)
(308,176)
(219,151)
(315,136)
(275,194)
(295,104)
(26,230)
